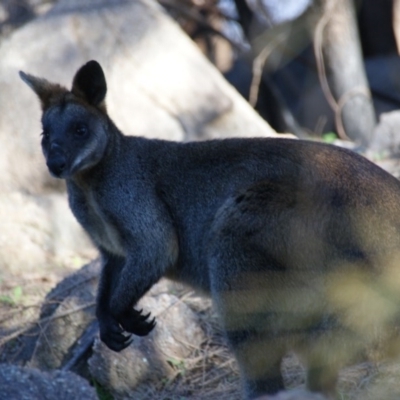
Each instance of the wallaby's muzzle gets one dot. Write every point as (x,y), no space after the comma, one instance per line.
(56,161)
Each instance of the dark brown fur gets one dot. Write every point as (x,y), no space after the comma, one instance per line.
(297,242)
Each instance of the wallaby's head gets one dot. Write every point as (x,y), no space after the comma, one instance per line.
(75,123)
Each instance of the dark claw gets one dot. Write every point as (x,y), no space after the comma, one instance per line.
(144,317)
(118,346)
(139,316)
(134,322)
(144,330)
(111,334)
(112,331)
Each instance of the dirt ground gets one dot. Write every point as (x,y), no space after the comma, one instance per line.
(210,372)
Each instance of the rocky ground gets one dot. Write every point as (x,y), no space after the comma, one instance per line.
(187,354)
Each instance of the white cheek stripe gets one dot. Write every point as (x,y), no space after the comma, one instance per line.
(79,161)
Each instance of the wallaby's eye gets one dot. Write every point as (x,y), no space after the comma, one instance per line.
(81,130)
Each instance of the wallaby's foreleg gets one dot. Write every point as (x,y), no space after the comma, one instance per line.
(133,283)
(111,333)
(136,278)
(117,295)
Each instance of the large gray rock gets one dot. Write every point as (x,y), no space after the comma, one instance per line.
(67,312)
(297,394)
(160,85)
(150,360)
(38,230)
(18,383)
(386,135)
(67,328)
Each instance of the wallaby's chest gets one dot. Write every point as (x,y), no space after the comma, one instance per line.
(93,217)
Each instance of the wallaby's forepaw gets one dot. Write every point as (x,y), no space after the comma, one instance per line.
(112,335)
(137,323)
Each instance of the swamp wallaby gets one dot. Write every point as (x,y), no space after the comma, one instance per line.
(297,242)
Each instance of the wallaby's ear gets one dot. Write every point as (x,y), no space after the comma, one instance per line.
(90,83)
(46,91)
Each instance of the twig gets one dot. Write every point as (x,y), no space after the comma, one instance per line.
(43,320)
(194,15)
(218,377)
(84,344)
(9,314)
(258,65)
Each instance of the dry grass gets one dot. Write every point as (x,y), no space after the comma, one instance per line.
(211,371)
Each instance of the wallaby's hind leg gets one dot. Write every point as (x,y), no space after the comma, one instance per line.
(322,379)
(266,304)
(325,352)
(250,319)
(259,358)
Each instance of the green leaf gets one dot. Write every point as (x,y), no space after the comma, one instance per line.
(175,362)
(329,137)
(6,300)
(178,364)
(17,293)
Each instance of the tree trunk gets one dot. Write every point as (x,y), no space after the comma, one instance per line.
(341,50)
(396,22)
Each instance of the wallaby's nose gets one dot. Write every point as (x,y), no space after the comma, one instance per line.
(56,163)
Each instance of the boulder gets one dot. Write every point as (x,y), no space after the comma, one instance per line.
(149,361)
(68,311)
(38,231)
(160,85)
(296,394)
(386,136)
(31,384)
(66,314)
(64,334)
